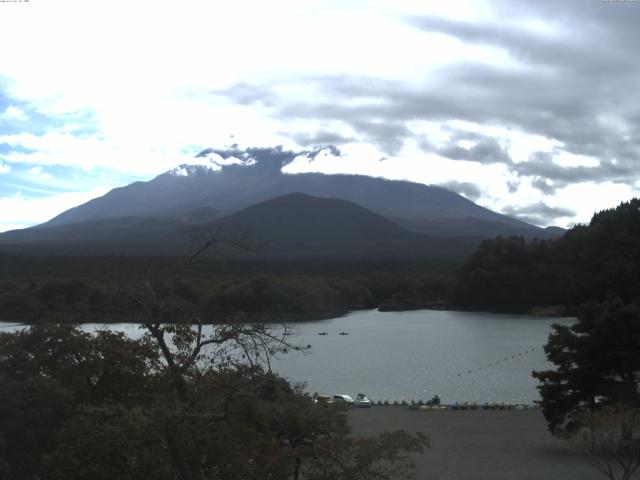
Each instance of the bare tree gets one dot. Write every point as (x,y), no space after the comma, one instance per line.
(187,344)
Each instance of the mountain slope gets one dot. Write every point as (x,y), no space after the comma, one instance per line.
(298,223)
(121,234)
(293,225)
(233,179)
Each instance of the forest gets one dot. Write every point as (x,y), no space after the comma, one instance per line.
(590,262)
(511,274)
(72,289)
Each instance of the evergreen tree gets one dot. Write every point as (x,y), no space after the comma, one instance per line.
(597,364)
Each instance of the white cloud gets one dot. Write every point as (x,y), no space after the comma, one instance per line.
(5,227)
(429,169)
(19,210)
(589,197)
(143,71)
(566,159)
(38,173)
(14,113)
(92,152)
(147,86)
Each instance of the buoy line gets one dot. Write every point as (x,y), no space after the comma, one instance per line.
(498,362)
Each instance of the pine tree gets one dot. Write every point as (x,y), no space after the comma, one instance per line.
(597,364)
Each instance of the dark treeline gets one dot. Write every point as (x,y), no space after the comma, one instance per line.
(45,288)
(588,263)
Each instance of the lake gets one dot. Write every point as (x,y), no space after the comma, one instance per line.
(461,356)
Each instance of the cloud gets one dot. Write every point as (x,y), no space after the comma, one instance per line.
(543,186)
(474,147)
(19,210)
(247,94)
(4,168)
(5,227)
(319,138)
(541,166)
(556,81)
(91,151)
(469,190)
(538,213)
(496,94)
(13,113)
(570,84)
(38,173)
(494,98)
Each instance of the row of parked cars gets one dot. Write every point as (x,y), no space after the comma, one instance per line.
(361,400)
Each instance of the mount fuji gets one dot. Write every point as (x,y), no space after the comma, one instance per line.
(219,184)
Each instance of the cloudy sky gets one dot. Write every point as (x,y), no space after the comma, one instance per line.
(529,108)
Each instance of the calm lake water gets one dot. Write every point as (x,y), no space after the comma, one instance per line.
(477,357)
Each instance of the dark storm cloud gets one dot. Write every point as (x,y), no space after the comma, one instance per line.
(573,81)
(538,213)
(578,84)
(543,186)
(318,138)
(485,149)
(389,136)
(541,165)
(469,190)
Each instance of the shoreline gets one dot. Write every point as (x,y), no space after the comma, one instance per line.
(289,318)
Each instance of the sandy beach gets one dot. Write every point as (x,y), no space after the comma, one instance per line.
(479,444)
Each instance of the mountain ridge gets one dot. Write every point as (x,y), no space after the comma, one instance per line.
(295,225)
(230,180)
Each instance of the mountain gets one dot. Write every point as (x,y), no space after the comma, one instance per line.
(297,223)
(293,225)
(120,234)
(227,181)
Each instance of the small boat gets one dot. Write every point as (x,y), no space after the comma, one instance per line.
(322,333)
(344,333)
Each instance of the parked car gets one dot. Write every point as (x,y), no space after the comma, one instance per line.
(362,401)
(343,398)
(322,399)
